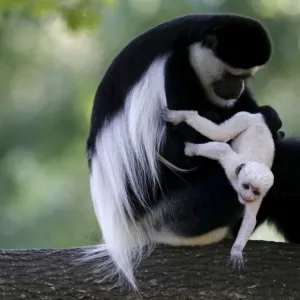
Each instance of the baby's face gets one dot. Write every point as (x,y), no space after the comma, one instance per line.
(247,192)
(254,181)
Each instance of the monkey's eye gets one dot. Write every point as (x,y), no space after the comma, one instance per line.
(242,76)
(256,192)
(245,186)
(238,169)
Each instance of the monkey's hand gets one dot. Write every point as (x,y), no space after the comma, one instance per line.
(272,118)
(177,116)
(190,149)
(236,258)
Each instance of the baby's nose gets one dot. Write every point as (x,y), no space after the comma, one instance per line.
(249,198)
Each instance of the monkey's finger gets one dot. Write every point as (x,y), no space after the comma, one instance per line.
(172,116)
(165,114)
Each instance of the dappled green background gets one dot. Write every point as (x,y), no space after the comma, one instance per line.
(52,57)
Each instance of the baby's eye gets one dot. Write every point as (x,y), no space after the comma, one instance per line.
(245,186)
(256,192)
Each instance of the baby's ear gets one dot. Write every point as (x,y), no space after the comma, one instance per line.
(238,169)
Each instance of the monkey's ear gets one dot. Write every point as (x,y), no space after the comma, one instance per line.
(239,168)
(210,41)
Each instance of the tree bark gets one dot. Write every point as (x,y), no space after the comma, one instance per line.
(272,271)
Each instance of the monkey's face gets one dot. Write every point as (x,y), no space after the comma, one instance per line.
(247,192)
(228,88)
(223,84)
(254,181)
(227,55)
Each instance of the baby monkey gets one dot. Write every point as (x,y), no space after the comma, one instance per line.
(247,161)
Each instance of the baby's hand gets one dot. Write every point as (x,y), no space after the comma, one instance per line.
(236,258)
(190,149)
(177,116)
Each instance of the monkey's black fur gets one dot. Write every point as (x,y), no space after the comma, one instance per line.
(201,199)
(175,35)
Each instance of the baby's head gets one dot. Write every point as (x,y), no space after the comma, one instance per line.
(254,181)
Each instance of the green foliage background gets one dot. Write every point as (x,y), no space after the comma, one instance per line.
(52,57)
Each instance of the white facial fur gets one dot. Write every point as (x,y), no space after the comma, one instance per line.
(209,68)
(254,181)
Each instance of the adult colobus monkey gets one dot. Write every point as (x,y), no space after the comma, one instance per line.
(141,191)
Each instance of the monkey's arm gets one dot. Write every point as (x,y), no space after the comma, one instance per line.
(223,132)
(246,229)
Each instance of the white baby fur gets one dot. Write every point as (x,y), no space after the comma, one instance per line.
(129,142)
(252,145)
(251,142)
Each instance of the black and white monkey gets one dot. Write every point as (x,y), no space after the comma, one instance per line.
(247,161)
(141,189)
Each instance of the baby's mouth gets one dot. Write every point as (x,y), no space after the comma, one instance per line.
(243,200)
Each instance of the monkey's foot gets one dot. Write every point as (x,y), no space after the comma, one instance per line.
(190,149)
(177,116)
(236,259)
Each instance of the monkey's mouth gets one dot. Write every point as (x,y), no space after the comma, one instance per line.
(243,200)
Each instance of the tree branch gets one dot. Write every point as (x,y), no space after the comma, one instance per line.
(272,271)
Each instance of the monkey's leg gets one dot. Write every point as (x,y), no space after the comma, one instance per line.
(222,132)
(213,150)
(199,211)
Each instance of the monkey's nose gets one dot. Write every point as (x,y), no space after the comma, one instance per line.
(247,199)
(228,87)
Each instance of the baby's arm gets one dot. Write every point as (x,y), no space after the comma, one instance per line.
(229,161)
(222,133)
(246,229)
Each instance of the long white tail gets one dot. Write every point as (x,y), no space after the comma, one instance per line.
(126,152)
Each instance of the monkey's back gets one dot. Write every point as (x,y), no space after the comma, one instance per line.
(256,144)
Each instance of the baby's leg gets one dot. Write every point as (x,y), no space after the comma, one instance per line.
(212,150)
(246,229)
(221,152)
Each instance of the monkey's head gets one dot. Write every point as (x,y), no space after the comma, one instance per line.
(254,181)
(227,55)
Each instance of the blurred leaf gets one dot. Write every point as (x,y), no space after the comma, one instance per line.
(81,14)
